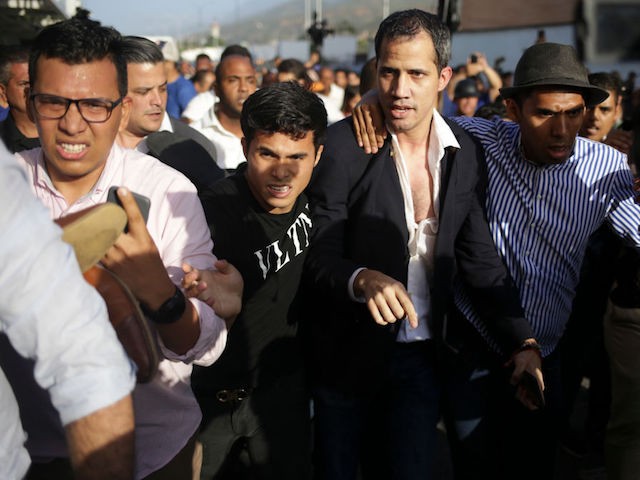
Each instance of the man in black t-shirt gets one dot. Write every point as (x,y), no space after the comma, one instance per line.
(254,397)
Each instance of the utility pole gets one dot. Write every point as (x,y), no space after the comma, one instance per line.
(307,14)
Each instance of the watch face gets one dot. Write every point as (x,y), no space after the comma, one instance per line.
(170,311)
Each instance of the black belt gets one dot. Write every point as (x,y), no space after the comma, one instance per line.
(232,395)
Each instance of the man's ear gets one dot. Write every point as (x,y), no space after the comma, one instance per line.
(126,112)
(513,110)
(318,154)
(619,110)
(245,147)
(445,76)
(30,109)
(4,102)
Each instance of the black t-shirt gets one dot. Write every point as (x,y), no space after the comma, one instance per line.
(14,139)
(269,250)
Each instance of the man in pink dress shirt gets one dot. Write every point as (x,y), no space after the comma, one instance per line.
(78,101)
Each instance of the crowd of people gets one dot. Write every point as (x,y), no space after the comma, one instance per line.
(299,272)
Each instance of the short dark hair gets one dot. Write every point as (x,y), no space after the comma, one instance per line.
(408,23)
(200,56)
(140,50)
(297,68)
(235,49)
(491,110)
(285,108)
(9,55)
(607,81)
(200,75)
(76,41)
(368,78)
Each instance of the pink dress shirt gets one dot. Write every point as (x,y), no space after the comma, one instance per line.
(167,414)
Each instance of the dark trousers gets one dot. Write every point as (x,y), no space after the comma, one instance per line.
(390,433)
(491,434)
(264,436)
(582,345)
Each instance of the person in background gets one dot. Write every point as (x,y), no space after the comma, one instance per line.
(331,95)
(477,68)
(235,81)
(368,76)
(491,110)
(603,121)
(202,81)
(203,102)
(204,62)
(353,78)
(292,70)
(466,96)
(583,347)
(180,91)
(18,130)
(351,99)
(341,77)
(150,130)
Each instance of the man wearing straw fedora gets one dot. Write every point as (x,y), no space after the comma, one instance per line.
(548,191)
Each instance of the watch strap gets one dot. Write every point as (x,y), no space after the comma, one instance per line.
(170,311)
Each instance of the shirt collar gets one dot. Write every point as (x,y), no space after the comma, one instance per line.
(116,155)
(211,121)
(166,126)
(441,135)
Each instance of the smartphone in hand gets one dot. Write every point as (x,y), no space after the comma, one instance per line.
(531,386)
(143,202)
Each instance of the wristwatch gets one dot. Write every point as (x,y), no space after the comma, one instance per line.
(169,312)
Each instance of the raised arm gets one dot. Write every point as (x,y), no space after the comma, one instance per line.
(482,66)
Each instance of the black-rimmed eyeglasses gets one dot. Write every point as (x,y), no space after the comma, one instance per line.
(93,110)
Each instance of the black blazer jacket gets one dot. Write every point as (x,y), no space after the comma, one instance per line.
(359,221)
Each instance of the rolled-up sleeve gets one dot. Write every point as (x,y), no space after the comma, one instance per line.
(186,239)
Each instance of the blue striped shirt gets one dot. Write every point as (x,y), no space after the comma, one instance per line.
(541,218)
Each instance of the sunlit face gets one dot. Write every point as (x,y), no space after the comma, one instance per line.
(203,64)
(467,106)
(341,78)
(73,148)
(148,92)
(409,82)
(351,103)
(205,82)
(237,81)
(599,120)
(279,168)
(549,122)
(289,77)
(326,78)
(17,86)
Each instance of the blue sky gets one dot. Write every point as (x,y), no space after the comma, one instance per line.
(171,17)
